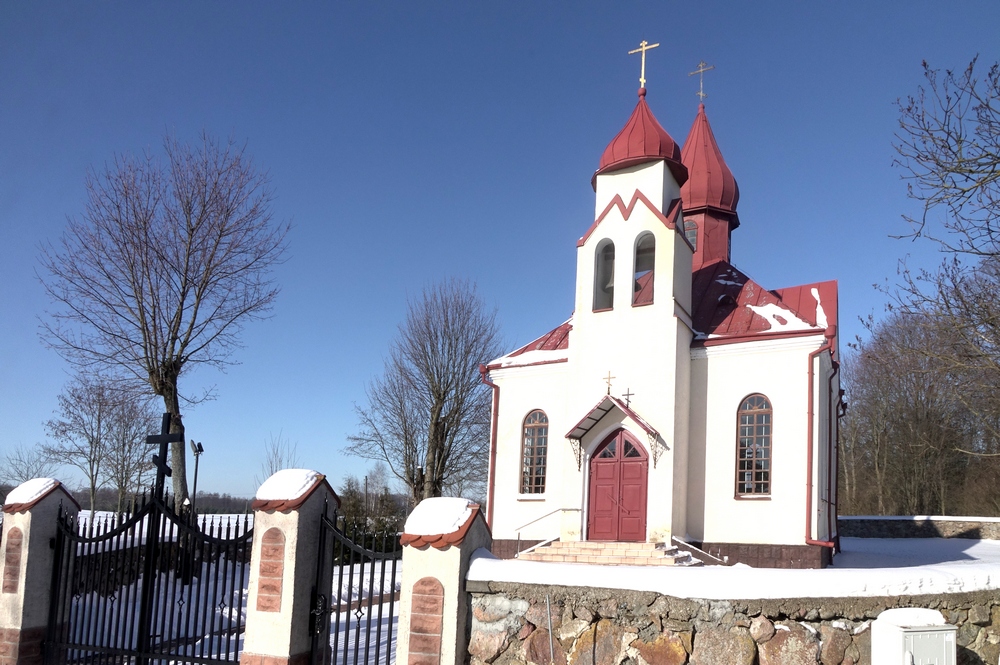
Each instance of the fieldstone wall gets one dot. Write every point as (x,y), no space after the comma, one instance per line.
(592,626)
(918,527)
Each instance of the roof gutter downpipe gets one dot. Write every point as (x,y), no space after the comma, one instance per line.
(828,346)
(483,372)
(832,529)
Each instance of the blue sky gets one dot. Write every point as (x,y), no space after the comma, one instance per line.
(410,142)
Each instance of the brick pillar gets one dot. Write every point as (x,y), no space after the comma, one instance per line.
(286,536)
(28,528)
(433,604)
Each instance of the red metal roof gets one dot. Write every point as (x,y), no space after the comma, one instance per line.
(642,139)
(710,184)
(729,305)
(553,340)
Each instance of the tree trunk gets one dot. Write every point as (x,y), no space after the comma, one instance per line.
(178,464)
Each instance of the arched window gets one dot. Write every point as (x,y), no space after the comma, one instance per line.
(534,452)
(645,260)
(604,276)
(691,231)
(753,450)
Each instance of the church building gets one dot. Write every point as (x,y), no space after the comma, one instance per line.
(681,402)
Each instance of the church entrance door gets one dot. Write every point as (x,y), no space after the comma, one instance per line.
(617,502)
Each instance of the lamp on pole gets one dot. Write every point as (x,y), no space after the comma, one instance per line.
(197,449)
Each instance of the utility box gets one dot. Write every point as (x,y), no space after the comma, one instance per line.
(913,636)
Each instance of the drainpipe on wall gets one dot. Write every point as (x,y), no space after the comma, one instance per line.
(841,412)
(833,440)
(483,370)
(831,332)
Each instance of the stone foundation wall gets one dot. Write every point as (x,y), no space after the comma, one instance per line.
(917,527)
(592,626)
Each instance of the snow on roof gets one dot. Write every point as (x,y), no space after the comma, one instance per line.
(439,515)
(32,490)
(729,305)
(551,347)
(28,493)
(865,567)
(288,484)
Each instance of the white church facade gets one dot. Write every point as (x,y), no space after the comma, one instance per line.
(681,399)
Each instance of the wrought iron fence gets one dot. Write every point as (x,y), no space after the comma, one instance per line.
(151,585)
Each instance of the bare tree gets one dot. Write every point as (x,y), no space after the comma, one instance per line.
(82,430)
(949,149)
(427,416)
(279,453)
(22,463)
(128,460)
(167,263)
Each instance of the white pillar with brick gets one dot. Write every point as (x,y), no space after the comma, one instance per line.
(439,538)
(287,512)
(29,525)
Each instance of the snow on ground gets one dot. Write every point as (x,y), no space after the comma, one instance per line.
(347,640)
(865,567)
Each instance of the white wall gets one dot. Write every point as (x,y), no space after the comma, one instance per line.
(722,376)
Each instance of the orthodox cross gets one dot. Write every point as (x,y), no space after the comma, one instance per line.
(628,396)
(164,438)
(643,47)
(702,68)
(607,380)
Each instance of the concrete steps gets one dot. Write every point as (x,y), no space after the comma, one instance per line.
(611,554)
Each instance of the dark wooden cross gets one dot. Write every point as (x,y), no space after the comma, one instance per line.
(628,396)
(164,439)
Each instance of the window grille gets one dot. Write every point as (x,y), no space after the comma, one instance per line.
(534,452)
(753,451)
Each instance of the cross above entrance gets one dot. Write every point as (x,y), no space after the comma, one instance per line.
(702,68)
(628,395)
(643,47)
(608,379)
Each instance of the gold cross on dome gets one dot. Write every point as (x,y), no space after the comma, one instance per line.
(608,379)
(702,68)
(643,47)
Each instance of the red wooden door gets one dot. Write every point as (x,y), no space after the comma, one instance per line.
(617,502)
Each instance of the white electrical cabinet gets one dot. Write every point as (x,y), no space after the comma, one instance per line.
(912,636)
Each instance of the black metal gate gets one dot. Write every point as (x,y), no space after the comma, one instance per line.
(356,594)
(149,587)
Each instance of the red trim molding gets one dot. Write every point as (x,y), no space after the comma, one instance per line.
(669,219)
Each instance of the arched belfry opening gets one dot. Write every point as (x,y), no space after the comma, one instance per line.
(645,263)
(604,276)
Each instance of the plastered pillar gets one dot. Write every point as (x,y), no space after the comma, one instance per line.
(26,577)
(286,540)
(433,603)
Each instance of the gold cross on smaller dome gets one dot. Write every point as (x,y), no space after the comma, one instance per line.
(702,68)
(608,379)
(643,47)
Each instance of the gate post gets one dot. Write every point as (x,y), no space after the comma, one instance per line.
(287,530)
(29,529)
(439,538)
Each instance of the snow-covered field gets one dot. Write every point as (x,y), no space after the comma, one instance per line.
(865,567)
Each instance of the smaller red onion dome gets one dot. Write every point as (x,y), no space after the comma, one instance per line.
(642,139)
(711,184)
